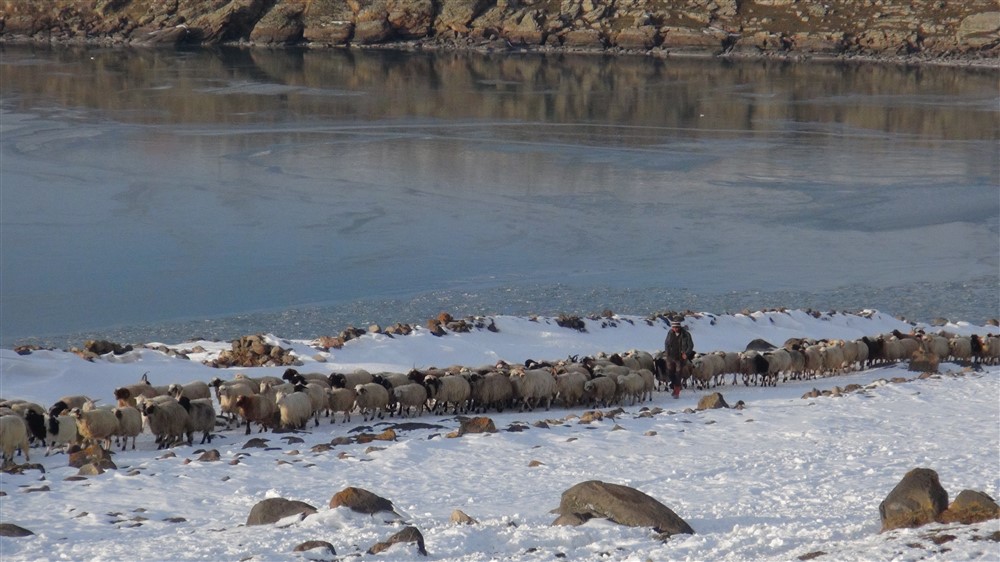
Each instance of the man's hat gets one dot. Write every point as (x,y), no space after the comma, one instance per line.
(675,324)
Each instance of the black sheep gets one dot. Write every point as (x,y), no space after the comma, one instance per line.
(36,425)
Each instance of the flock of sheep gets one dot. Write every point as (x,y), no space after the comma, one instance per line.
(174,414)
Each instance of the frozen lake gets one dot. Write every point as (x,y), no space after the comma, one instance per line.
(161,195)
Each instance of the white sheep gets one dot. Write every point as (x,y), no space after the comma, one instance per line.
(61,431)
(705,368)
(294,409)
(567,367)
(992,344)
(960,348)
(392,379)
(448,389)
(630,386)
(731,360)
(295,377)
(892,349)
(227,393)
(532,386)
(167,420)
(271,389)
(938,345)
(317,398)
(797,363)
(637,360)
(142,401)
(255,382)
(349,380)
(218,384)
(910,346)
(863,353)
(851,351)
(833,357)
(410,396)
(200,417)
(128,395)
(22,406)
(611,370)
(129,424)
(95,426)
(603,391)
(13,436)
(491,390)
(570,387)
(371,399)
(814,359)
(67,403)
(648,383)
(341,400)
(778,361)
(194,390)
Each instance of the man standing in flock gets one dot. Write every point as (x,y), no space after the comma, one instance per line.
(679,348)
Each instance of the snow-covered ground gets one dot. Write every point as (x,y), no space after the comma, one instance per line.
(784,477)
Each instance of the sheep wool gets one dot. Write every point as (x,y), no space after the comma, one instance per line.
(13,436)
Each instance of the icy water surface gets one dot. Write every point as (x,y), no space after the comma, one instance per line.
(159,195)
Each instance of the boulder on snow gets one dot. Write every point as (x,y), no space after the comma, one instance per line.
(924,362)
(712,402)
(971,507)
(311,545)
(361,501)
(407,535)
(272,510)
(94,454)
(918,499)
(479,424)
(12,530)
(459,517)
(621,504)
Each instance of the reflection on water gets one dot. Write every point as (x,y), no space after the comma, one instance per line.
(149,186)
(268,87)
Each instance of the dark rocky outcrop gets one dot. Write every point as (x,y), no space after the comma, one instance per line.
(887,28)
(272,510)
(621,504)
(918,499)
(255,351)
(103,347)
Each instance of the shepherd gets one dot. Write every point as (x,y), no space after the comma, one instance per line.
(679,349)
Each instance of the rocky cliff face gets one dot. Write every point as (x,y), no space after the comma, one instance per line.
(917,29)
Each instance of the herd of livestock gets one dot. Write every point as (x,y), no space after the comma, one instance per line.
(176,413)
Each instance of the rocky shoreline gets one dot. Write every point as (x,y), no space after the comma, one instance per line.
(914,32)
